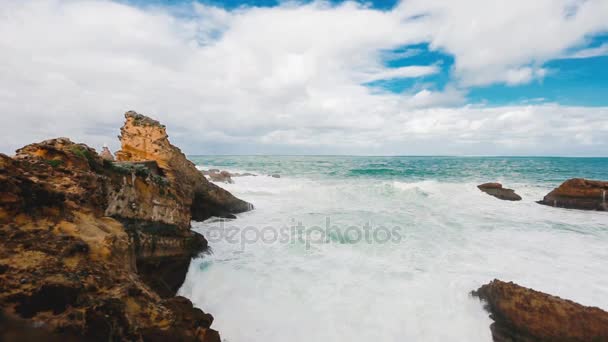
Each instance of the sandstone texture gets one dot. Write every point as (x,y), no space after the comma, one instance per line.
(522,314)
(496,190)
(95,250)
(106,154)
(579,193)
(144,139)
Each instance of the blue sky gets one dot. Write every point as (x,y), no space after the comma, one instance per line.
(570,81)
(265,77)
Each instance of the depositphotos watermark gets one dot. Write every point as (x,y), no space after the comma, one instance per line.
(297,233)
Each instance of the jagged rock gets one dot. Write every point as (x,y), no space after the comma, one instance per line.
(144,139)
(106,154)
(579,193)
(522,314)
(93,250)
(496,190)
(222,176)
(275,175)
(219,176)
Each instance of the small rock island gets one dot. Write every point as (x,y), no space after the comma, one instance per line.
(578,193)
(496,190)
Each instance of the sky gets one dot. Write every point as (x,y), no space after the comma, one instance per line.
(410,77)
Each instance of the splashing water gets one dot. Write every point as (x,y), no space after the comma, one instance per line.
(452,239)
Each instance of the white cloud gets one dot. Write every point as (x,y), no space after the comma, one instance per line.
(284,80)
(492,40)
(601,50)
(402,72)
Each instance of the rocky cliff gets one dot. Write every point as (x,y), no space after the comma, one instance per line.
(579,193)
(144,139)
(92,249)
(522,314)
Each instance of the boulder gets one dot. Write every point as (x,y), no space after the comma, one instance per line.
(522,314)
(578,193)
(496,190)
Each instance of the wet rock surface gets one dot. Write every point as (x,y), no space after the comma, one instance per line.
(522,314)
(496,190)
(579,193)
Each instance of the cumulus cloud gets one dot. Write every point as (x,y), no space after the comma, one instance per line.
(507,40)
(288,79)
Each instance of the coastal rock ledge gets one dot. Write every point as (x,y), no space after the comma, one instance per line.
(524,315)
(579,193)
(95,250)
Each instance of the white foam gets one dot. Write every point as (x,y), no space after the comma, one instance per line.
(455,238)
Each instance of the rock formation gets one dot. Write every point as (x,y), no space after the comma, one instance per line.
(496,190)
(92,249)
(222,177)
(215,175)
(144,139)
(106,154)
(522,314)
(579,193)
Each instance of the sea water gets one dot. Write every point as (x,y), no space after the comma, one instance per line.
(282,275)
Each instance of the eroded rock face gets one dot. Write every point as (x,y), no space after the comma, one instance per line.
(522,314)
(496,190)
(84,245)
(106,154)
(579,193)
(144,139)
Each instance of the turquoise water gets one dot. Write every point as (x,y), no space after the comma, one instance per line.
(546,170)
(437,238)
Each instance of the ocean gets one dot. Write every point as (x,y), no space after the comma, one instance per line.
(345,248)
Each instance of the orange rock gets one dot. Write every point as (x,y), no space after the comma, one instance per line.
(579,193)
(522,314)
(145,139)
(106,154)
(93,249)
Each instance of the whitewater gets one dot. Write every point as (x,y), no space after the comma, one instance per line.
(452,238)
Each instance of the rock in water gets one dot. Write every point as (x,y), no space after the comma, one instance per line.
(496,190)
(522,314)
(222,176)
(579,193)
(144,139)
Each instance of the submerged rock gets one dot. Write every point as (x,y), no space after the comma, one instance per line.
(578,193)
(496,190)
(522,314)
